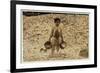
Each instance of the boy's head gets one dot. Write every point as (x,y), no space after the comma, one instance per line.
(57,21)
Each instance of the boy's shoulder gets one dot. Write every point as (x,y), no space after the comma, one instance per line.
(60,26)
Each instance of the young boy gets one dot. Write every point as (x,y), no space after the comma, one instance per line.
(56,37)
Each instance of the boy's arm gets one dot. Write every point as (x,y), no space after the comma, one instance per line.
(51,34)
(61,35)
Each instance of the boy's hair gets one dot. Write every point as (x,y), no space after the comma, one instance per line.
(57,19)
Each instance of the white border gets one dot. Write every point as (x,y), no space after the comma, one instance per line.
(60,62)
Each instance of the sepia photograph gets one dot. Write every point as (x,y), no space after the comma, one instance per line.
(54,36)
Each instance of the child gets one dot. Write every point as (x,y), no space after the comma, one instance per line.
(56,37)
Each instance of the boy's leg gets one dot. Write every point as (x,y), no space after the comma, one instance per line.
(57,49)
(52,50)
(58,45)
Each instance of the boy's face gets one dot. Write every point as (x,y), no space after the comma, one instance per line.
(57,23)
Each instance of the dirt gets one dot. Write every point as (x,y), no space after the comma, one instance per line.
(36,31)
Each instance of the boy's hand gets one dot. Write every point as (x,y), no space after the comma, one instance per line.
(49,39)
